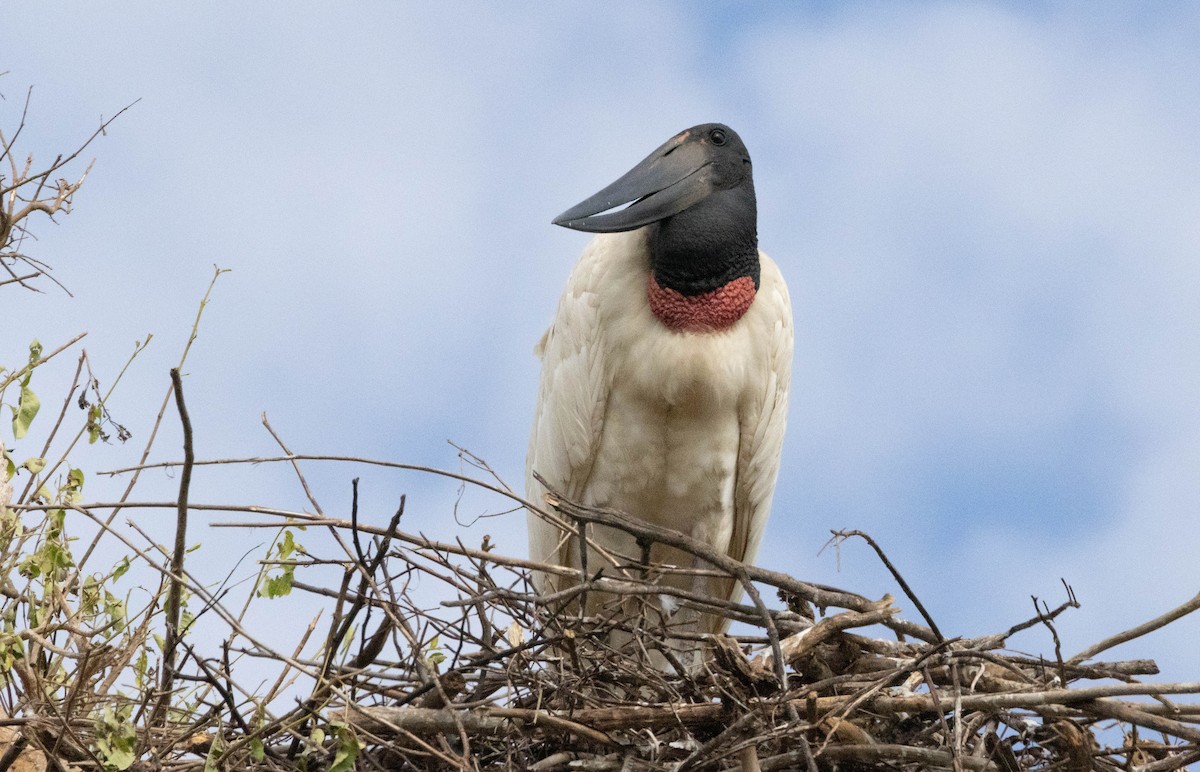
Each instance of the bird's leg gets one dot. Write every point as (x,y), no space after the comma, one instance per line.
(635,608)
(692,622)
(581,527)
(645,544)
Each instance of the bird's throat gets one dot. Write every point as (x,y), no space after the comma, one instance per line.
(707,312)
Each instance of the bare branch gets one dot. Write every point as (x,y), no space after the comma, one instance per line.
(1137,632)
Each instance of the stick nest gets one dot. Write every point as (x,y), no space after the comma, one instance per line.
(496,675)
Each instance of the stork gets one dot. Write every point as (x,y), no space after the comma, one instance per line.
(665,373)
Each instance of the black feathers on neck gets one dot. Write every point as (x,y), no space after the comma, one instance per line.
(709,244)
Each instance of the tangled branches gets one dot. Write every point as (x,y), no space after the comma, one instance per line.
(26,190)
(495,675)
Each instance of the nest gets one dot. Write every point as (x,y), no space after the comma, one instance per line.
(553,692)
(500,676)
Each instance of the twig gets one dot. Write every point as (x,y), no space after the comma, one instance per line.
(175,591)
(187,347)
(843,535)
(57,424)
(21,279)
(1037,699)
(13,751)
(1137,632)
(19,374)
(1044,610)
(796,647)
(63,161)
(498,721)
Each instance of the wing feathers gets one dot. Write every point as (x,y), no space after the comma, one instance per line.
(762,422)
(571,398)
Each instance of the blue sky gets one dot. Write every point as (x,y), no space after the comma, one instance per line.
(987,215)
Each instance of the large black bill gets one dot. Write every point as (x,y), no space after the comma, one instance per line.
(669,180)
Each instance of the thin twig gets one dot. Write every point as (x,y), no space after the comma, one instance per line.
(175,591)
(843,535)
(1136,632)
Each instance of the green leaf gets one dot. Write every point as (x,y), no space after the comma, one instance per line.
(116,739)
(35,357)
(215,752)
(34,464)
(94,423)
(30,568)
(435,655)
(347,639)
(287,546)
(121,568)
(140,667)
(72,491)
(118,758)
(257,751)
(27,408)
(276,586)
(114,607)
(347,749)
(89,596)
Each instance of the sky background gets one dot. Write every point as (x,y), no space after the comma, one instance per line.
(988,216)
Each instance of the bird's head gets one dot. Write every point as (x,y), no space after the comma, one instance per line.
(687,169)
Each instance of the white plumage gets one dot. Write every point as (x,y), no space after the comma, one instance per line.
(682,429)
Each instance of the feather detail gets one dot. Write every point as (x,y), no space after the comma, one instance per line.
(708,312)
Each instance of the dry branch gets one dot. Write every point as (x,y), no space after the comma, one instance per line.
(25,192)
(1138,631)
(175,579)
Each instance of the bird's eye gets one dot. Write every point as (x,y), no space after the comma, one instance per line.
(717,137)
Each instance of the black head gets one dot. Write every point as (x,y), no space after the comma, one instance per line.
(687,169)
